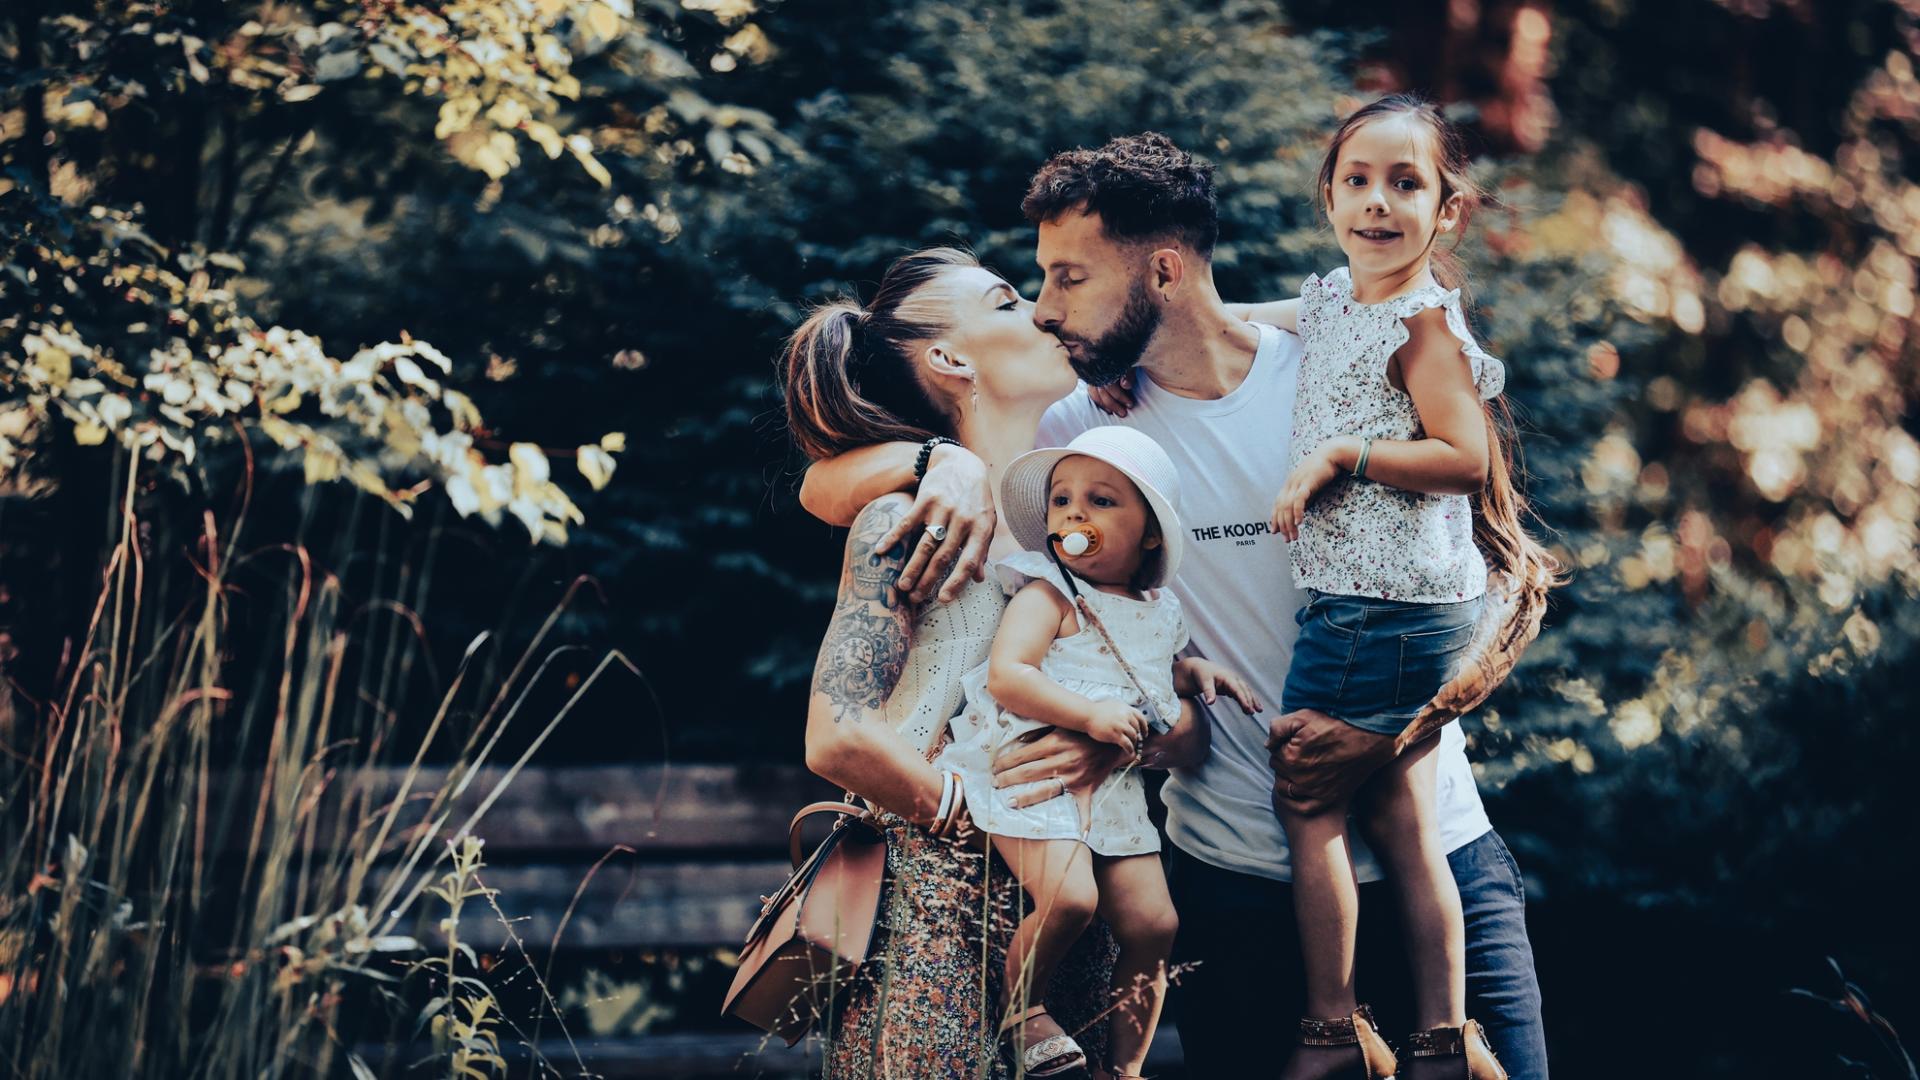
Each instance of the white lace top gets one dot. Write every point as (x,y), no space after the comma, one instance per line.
(1361,538)
(949,640)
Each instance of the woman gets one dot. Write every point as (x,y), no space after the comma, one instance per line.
(945,348)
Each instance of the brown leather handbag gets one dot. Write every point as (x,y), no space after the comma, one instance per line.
(814,932)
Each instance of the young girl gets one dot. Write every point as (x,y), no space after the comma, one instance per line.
(1394,457)
(1087,643)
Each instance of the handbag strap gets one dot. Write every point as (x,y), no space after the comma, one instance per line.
(1154,719)
(845,809)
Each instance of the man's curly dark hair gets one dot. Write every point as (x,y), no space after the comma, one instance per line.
(1142,186)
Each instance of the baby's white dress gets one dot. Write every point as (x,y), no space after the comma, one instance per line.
(1149,633)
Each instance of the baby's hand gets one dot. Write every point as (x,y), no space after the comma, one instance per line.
(1306,479)
(1195,677)
(1116,722)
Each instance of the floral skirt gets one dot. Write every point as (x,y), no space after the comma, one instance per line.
(924,1006)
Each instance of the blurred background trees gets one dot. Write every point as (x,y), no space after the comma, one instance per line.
(605,216)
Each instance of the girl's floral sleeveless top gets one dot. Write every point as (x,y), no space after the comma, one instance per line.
(1361,538)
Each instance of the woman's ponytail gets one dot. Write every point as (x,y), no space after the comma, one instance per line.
(849,371)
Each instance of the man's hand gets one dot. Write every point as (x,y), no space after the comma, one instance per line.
(954,498)
(1115,398)
(1041,763)
(1319,762)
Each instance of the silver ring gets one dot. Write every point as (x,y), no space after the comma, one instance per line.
(938,532)
(1063,785)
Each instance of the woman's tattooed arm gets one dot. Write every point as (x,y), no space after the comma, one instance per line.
(866,645)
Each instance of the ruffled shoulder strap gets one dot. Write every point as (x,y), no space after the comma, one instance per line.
(1318,293)
(1017,570)
(1489,374)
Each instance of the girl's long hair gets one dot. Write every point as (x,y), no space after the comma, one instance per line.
(1500,510)
(849,371)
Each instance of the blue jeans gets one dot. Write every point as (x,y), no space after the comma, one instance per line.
(1236,1010)
(1374,663)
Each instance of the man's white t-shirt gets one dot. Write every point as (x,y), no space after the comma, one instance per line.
(1239,598)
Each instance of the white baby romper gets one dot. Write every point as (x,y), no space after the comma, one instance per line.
(1148,633)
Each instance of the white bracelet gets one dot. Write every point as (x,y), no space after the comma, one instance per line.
(959,805)
(946,800)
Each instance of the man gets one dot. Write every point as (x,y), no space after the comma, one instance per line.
(1126,236)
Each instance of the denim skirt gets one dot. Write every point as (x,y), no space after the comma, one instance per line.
(1374,663)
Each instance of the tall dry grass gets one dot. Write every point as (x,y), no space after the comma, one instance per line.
(199,878)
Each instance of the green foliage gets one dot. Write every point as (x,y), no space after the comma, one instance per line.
(129,152)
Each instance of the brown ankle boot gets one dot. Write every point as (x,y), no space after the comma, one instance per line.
(1467,1042)
(1355,1030)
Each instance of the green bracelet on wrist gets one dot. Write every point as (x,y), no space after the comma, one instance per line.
(1360,463)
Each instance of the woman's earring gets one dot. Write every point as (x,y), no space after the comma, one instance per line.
(976,392)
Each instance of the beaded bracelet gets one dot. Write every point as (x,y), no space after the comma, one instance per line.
(926,455)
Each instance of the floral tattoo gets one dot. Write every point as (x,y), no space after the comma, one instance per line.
(866,645)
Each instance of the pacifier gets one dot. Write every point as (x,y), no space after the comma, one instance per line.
(1077,542)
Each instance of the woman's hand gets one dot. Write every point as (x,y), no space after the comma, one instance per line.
(1316,471)
(1047,764)
(1204,679)
(953,514)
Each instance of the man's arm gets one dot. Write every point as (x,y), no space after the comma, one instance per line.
(1319,761)
(837,489)
(1284,314)
(955,497)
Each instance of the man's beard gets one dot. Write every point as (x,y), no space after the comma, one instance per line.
(1117,351)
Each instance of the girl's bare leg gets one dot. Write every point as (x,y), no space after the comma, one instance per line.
(1326,903)
(1397,812)
(1058,875)
(1135,902)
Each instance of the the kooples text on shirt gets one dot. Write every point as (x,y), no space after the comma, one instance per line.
(1242,533)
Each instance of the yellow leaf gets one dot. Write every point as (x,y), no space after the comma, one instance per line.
(530,463)
(88,433)
(508,112)
(284,434)
(456,115)
(614,442)
(582,148)
(321,465)
(465,416)
(56,365)
(366,479)
(603,21)
(549,139)
(284,404)
(596,465)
